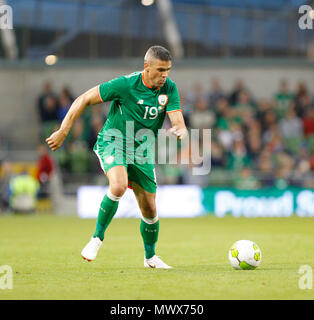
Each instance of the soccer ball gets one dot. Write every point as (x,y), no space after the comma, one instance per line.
(245,254)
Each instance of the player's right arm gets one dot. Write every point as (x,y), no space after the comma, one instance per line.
(90,97)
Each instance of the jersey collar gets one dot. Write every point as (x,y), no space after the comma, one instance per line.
(146,85)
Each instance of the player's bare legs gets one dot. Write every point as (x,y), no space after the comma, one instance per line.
(146,201)
(149,226)
(118,182)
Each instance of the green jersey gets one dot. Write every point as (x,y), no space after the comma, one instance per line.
(136,106)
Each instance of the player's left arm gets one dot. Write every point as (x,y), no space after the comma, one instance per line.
(174,112)
(178,124)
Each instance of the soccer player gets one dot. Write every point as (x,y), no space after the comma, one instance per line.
(140,101)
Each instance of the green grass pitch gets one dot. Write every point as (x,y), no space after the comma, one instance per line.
(44,253)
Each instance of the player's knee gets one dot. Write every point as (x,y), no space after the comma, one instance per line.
(149,210)
(118,189)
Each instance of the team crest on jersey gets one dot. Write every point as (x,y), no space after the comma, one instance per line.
(163,99)
(110,159)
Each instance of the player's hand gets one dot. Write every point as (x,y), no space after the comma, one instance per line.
(55,140)
(180,133)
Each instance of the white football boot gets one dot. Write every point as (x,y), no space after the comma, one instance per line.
(89,252)
(155,262)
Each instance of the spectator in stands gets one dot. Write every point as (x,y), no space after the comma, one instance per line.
(50,112)
(272,139)
(47,91)
(202,117)
(265,167)
(263,106)
(308,122)
(23,193)
(78,148)
(217,155)
(283,172)
(67,92)
(96,125)
(223,111)
(223,126)
(225,114)
(253,139)
(268,120)
(45,169)
(195,94)
(302,101)
(76,136)
(234,96)
(215,93)
(49,116)
(302,105)
(238,157)
(302,168)
(244,101)
(300,90)
(283,98)
(246,180)
(5,177)
(290,126)
(65,103)
(244,109)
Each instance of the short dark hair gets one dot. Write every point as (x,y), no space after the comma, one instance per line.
(158,52)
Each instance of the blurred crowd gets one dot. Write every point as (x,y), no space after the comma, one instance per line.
(254,142)
(75,156)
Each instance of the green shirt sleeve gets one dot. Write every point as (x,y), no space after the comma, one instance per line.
(174,99)
(112,89)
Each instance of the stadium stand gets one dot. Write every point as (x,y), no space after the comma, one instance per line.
(95,28)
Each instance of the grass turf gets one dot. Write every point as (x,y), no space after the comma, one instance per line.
(44,252)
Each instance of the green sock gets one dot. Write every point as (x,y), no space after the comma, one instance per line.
(107,210)
(149,234)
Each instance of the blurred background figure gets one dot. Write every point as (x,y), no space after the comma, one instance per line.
(283,98)
(47,91)
(237,89)
(48,115)
(215,93)
(202,117)
(45,170)
(23,190)
(65,101)
(246,180)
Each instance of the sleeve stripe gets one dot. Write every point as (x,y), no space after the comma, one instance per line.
(99,94)
(174,111)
